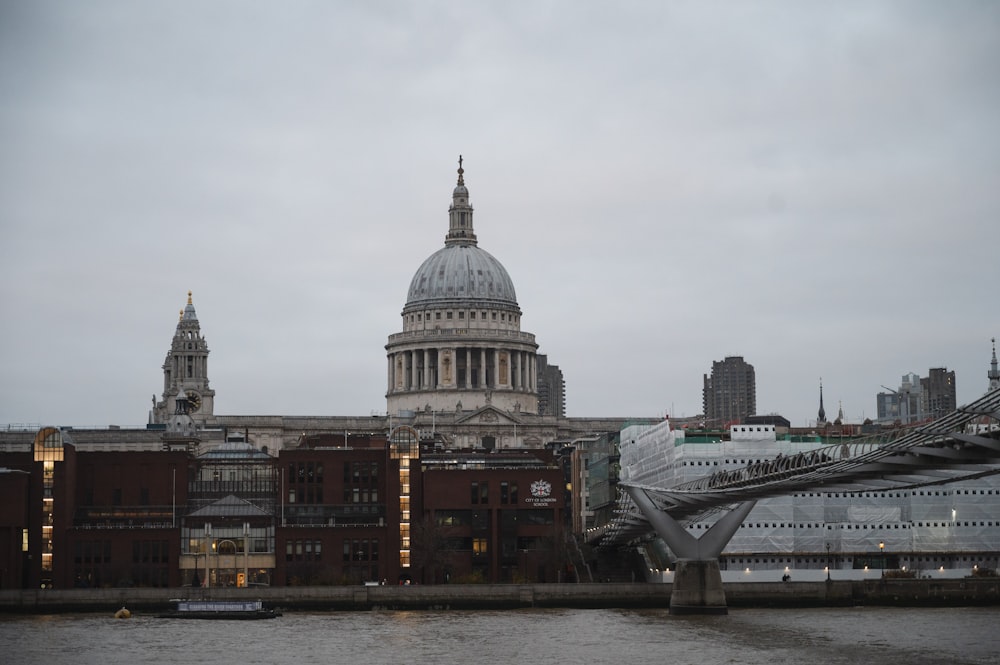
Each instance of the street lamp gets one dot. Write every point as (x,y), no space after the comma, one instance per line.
(208,572)
(881,550)
(246,555)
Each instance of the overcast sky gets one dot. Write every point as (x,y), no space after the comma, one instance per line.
(814,186)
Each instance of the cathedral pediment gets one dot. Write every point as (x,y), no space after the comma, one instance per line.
(487,415)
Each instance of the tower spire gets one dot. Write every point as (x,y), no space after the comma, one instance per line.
(185,371)
(994,373)
(821,416)
(460,231)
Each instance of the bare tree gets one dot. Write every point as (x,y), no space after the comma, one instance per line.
(428,548)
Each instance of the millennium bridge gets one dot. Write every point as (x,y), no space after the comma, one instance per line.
(959,446)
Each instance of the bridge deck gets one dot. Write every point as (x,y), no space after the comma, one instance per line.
(951,448)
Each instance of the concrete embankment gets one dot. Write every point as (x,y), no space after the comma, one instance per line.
(899,592)
(985,591)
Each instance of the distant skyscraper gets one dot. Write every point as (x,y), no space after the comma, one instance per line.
(551,388)
(905,405)
(730,393)
(938,392)
(919,398)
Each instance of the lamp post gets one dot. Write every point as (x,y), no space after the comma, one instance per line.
(881,550)
(208,572)
(246,554)
(828,562)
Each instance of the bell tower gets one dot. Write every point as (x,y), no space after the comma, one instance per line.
(185,372)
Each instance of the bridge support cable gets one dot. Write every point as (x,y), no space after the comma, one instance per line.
(697,587)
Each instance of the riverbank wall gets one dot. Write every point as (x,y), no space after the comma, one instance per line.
(840,593)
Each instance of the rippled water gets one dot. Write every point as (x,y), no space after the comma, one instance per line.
(746,637)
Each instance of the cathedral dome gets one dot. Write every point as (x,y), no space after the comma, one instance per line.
(460,273)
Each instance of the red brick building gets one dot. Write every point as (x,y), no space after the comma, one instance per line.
(491,516)
(339,512)
(335,509)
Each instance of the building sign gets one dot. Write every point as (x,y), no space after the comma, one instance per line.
(541,493)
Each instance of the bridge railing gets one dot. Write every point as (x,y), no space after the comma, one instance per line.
(831,464)
(893,442)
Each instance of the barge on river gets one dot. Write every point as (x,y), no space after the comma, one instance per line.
(220,609)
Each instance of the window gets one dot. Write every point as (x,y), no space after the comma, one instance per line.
(479,546)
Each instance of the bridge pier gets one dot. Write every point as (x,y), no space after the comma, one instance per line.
(697,585)
(698,588)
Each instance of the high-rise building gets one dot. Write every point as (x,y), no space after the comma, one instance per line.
(551,389)
(918,398)
(938,392)
(903,405)
(730,393)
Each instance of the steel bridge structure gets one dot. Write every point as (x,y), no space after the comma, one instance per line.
(961,445)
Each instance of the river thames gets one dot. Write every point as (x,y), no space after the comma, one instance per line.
(745,636)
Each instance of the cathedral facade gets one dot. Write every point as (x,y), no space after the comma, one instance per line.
(461,371)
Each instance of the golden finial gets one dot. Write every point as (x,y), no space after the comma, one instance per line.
(180,315)
(461,179)
(189,297)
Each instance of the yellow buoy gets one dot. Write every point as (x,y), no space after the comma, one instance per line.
(123,613)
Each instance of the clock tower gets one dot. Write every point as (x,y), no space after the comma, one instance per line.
(185,372)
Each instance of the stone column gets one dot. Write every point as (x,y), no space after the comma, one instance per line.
(389,371)
(482,368)
(410,366)
(468,367)
(440,373)
(427,370)
(496,368)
